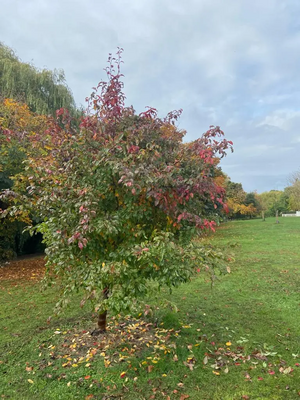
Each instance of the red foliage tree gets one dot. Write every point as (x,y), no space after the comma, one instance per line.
(123,198)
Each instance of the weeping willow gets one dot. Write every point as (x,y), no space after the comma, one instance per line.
(43,90)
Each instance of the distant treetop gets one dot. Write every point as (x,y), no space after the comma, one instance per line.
(43,90)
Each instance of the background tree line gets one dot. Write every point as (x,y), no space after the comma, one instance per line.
(249,205)
(28,98)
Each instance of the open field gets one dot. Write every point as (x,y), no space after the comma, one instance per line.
(240,340)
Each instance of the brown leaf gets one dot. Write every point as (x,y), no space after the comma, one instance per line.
(189,365)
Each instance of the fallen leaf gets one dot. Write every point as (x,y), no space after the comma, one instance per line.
(287,370)
(190,366)
(30,381)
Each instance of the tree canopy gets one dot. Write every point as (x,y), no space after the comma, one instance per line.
(43,90)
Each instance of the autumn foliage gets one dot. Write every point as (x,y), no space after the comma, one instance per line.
(17,125)
(121,198)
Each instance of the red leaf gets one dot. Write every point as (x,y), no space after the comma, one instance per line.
(271,372)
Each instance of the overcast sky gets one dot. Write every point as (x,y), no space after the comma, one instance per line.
(232,63)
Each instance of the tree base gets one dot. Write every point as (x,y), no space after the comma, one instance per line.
(98,332)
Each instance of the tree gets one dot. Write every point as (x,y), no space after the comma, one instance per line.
(294,198)
(122,199)
(272,201)
(17,122)
(44,91)
(253,204)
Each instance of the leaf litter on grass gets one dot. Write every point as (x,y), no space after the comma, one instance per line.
(137,344)
(122,342)
(23,269)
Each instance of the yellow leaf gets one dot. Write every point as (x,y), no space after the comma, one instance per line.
(65,364)
(216,373)
(228,343)
(30,381)
(74,365)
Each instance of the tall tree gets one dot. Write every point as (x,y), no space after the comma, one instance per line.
(43,90)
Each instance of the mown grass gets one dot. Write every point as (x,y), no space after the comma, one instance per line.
(240,340)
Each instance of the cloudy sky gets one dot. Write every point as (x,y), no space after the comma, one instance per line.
(233,63)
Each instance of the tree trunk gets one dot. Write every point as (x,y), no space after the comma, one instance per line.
(102,316)
(102,321)
(263,215)
(277,222)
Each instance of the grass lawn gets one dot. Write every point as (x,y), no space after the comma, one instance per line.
(240,340)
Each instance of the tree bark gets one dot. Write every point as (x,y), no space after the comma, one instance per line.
(102,316)
(102,321)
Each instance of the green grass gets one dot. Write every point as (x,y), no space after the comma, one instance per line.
(255,308)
